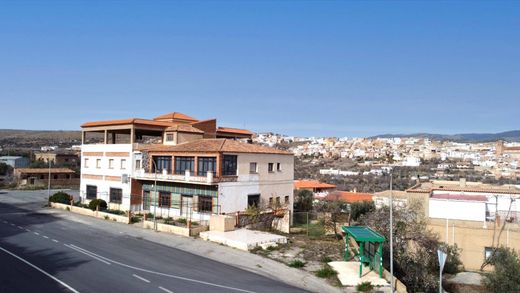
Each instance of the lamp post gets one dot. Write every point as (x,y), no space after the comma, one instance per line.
(155,194)
(391,233)
(49,180)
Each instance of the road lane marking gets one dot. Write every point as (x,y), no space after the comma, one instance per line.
(55,240)
(141,278)
(27,230)
(19,227)
(93,256)
(36,233)
(5,222)
(165,290)
(12,224)
(40,270)
(45,237)
(162,274)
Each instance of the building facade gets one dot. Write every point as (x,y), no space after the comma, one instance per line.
(15,161)
(178,166)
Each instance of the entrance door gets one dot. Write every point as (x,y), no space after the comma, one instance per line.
(146,200)
(186,206)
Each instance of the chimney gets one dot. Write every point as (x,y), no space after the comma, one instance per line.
(462,182)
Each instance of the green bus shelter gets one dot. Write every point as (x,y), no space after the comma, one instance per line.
(370,247)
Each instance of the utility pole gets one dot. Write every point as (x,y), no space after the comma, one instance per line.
(49,180)
(391,233)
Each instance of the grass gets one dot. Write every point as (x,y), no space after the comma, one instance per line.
(296,264)
(326,272)
(364,287)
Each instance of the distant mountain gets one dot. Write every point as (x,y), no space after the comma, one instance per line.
(513,135)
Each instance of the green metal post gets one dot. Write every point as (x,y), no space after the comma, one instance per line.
(380,251)
(347,253)
(361,246)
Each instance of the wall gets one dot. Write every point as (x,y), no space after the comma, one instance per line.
(472,237)
(232,196)
(457,209)
(105,178)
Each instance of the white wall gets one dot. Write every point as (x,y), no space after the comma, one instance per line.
(103,185)
(457,209)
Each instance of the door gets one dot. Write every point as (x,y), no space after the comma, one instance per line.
(146,200)
(186,206)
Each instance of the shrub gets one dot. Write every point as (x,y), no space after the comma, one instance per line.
(60,197)
(97,202)
(506,275)
(364,287)
(168,221)
(149,216)
(106,217)
(326,272)
(115,212)
(182,221)
(135,219)
(296,264)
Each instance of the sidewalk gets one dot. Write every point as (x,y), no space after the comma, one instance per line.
(240,259)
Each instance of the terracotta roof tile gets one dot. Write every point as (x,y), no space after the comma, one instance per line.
(215,145)
(298,184)
(175,115)
(127,121)
(349,197)
(184,128)
(234,130)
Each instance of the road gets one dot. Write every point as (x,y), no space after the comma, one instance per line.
(40,252)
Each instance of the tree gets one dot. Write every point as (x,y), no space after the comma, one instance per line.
(506,276)
(334,213)
(303,200)
(415,247)
(360,208)
(5,169)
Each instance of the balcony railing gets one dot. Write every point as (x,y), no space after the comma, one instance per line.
(187,177)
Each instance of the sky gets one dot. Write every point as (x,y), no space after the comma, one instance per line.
(306,68)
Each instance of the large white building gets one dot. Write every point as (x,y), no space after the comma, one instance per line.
(181,166)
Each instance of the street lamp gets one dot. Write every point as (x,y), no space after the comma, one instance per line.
(49,180)
(391,233)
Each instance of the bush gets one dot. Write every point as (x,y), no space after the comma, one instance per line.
(97,202)
(360,208)
(506,276)
(115,212)
(60,197)
(135,219)
(182,221)
(364,287)
(168,221)
(296,264)
(326,272)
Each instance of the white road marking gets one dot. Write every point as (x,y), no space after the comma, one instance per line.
(12,224)
(55,240)
(162,274)
(86,253)
(27,230)
(45,237)
(165,290)
(40,270)
(141,278)
(19,227)
(36,233)
(5,222)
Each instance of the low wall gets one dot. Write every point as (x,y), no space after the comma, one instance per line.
(222,223)
(91,213)
(177,230)
(399,286)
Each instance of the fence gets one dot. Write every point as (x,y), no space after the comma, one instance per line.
(310,223)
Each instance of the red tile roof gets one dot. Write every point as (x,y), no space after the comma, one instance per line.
(215,145)
(234,130)
(349,197)
(184,128)
(175,115)
(307,183)
(127,121)
(465,197)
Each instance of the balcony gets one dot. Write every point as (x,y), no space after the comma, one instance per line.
(188,177)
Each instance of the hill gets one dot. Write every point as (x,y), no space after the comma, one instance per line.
(513,135)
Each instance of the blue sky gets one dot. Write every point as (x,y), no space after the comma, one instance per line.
(299,68)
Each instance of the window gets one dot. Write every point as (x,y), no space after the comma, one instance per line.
(252,168)
(116,195)
(164,199)
(55,176)
(169,137)
(488,251)
(162,163)
(137,164)
(270,201)
(98,163)
(110,163)
(205,165)
(91,192)
(278,167)
(270,167)
(229,165)
(184,163)
(205,204)
(286,199)
(86,163)
(123,164)
(277,201)
(253,200)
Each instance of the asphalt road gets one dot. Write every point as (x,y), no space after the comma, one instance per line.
(40,252)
